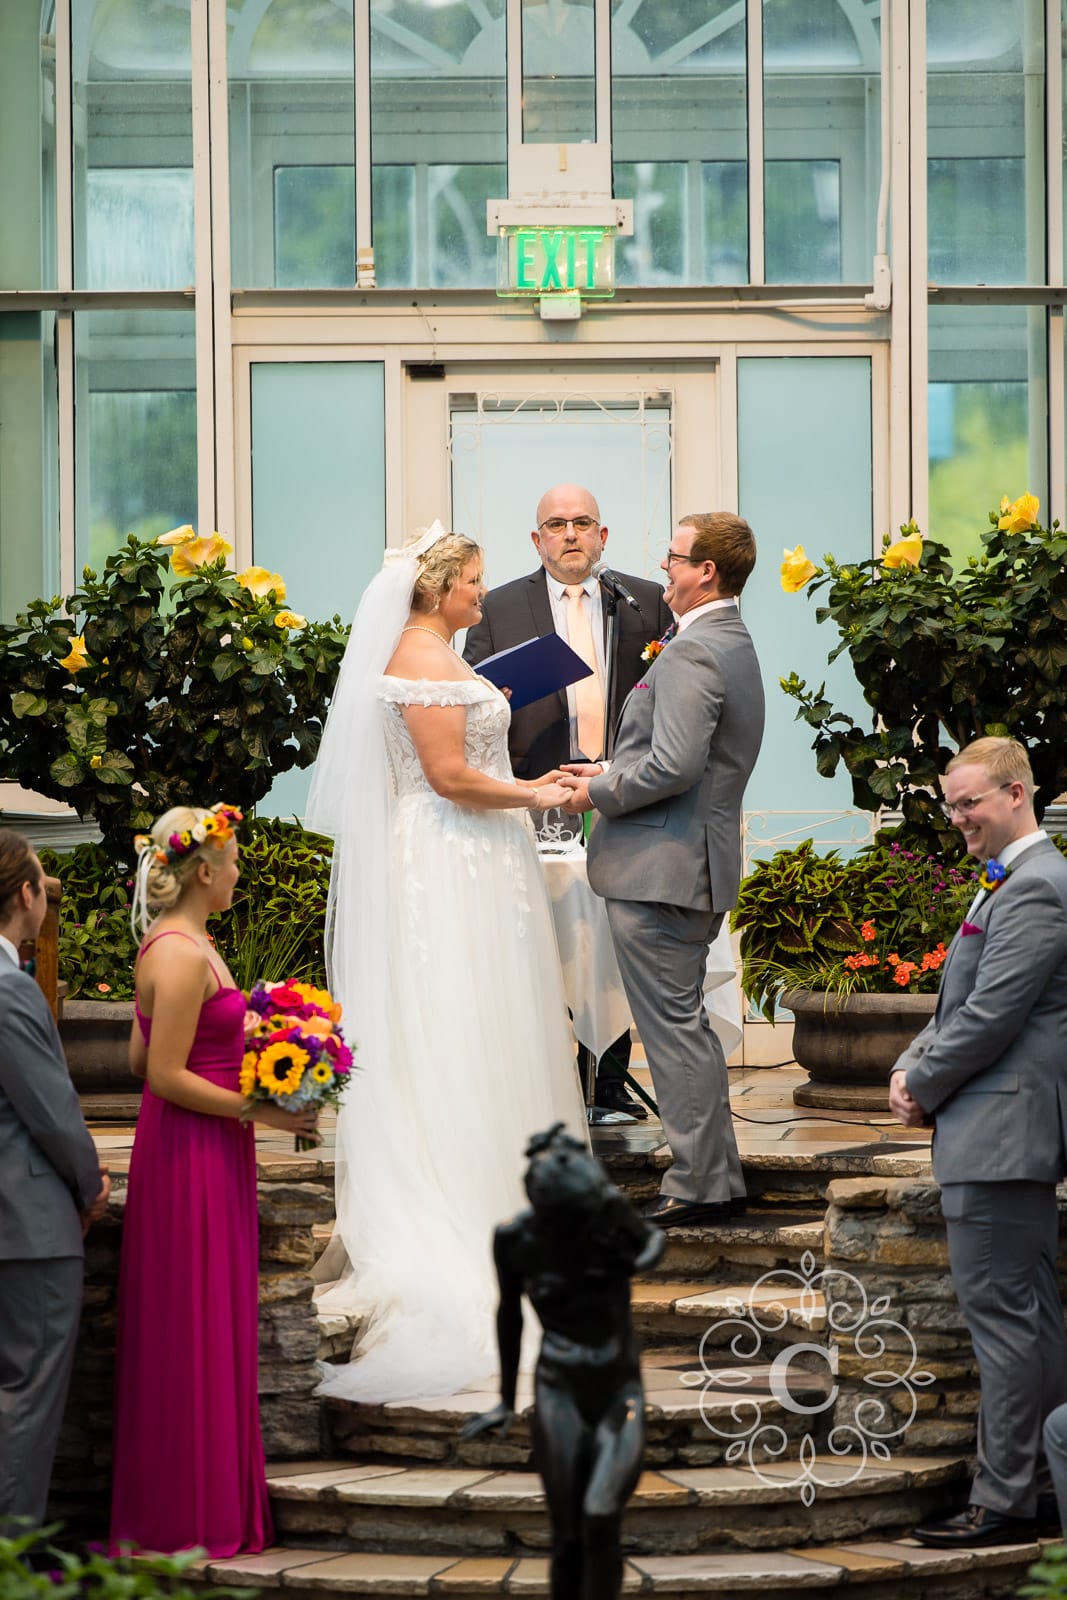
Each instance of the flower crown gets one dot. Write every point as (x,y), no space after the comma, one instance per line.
(217,826)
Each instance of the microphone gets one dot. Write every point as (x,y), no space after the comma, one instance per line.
(614,584)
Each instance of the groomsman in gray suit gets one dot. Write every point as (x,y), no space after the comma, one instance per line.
(51,1188)
(665,851)
(990,1068)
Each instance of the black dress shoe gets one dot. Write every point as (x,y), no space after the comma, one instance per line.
(975,1527)
(667,1211)
(612,1095)
(1049,1521)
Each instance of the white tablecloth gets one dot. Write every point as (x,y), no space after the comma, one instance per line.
(591,976)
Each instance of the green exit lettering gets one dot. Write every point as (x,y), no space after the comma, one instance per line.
(548,259)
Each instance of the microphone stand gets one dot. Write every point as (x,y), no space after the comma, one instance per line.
(610,600)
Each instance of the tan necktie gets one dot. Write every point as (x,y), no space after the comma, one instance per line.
(588,692)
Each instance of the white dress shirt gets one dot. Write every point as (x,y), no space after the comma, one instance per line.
(557,599)
(1006,857)
(709,605)
(9,950)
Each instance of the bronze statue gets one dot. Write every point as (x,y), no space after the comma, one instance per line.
(574,1253)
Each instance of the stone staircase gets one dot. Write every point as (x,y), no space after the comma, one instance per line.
(402,1506)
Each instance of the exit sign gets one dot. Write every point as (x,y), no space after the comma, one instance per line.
(563,260)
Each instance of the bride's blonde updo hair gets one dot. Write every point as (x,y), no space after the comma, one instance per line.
(439,569)
(169,852)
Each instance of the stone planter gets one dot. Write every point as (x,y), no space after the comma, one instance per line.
(95,1035)
(847,1044)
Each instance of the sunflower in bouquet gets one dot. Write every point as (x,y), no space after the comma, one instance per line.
(295,1053)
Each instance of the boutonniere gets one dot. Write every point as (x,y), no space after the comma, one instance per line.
(992,875)
(654,646)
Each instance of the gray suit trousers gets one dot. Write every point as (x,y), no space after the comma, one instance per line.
(662,951)
(1002,1243)
(40,1307)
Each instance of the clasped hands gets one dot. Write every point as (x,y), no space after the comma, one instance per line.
(903,1104)
(575,776)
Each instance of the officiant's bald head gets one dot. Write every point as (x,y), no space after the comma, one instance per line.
(569,536)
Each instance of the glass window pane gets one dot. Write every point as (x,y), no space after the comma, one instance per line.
(803,221)
(292,143)
(558,83)
(822,144)
(679,132)
(135,377)
(27,140)
(314,227)
(133,157)
(986,141)
(439,140)
(812,417)
(29,524)
(988,407)
(974,216)
(318,461)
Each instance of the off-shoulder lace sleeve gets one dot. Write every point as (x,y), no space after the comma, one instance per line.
(435,692)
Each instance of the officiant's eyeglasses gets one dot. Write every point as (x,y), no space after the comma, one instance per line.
(965,807)
(560,524)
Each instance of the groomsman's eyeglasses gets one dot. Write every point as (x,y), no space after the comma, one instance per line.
(676,555)
(965,807)
(560,524)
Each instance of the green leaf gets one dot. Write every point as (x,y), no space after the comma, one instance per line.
(27,704)
(67,770)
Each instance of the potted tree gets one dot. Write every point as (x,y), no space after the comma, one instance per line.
(943,656)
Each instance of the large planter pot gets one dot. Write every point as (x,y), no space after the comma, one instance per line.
(95,1036)
(847,1044)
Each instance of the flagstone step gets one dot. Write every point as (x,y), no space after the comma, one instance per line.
(694,1395)
(470,1511)
(676,1312)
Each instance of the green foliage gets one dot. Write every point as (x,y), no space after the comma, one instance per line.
(32,1569)
(188,694)
(1048,1576)
(274,928)
(944,656)
(806,920)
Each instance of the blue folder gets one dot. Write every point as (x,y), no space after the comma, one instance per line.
(532,670)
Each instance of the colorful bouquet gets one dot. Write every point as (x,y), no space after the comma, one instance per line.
(295,1053)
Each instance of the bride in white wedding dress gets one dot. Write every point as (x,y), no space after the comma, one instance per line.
(441,950)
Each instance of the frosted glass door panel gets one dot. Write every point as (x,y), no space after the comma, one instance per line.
(318,496)
(505,455)
(804,467)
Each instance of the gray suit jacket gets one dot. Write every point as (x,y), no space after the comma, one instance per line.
(48,1166)
(992,1061)
(669,828)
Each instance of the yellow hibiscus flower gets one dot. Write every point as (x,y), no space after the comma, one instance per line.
(194,553)
(290,619)
(903,552)
(96,762)
(182,535)
(260,582)
(1018,516)
(797,570)
(77,659)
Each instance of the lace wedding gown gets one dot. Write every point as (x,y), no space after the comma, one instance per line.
(481,1058)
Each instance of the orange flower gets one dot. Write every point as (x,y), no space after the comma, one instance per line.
(103,988)
(868,930)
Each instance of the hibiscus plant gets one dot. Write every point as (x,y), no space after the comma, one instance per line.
(149,688)
(943,654)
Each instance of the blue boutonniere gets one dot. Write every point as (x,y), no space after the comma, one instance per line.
(992,875)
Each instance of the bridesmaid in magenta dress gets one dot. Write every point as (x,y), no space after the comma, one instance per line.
(188,1456)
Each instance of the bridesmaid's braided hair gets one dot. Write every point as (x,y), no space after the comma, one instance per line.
(18,865)
(162,868)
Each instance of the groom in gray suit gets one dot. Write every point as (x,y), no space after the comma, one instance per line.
(665,851)
(990,1069)
(51,1188)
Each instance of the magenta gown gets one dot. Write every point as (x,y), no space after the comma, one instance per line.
(188,1457)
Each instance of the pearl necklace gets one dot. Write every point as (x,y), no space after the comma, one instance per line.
(414,627)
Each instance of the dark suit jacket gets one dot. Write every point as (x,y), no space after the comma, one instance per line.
(540,733)
(48,1166)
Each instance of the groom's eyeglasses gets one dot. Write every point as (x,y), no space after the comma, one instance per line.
(965,807)
(676,555)
(559,524)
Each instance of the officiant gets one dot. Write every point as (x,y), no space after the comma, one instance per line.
(564,596)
